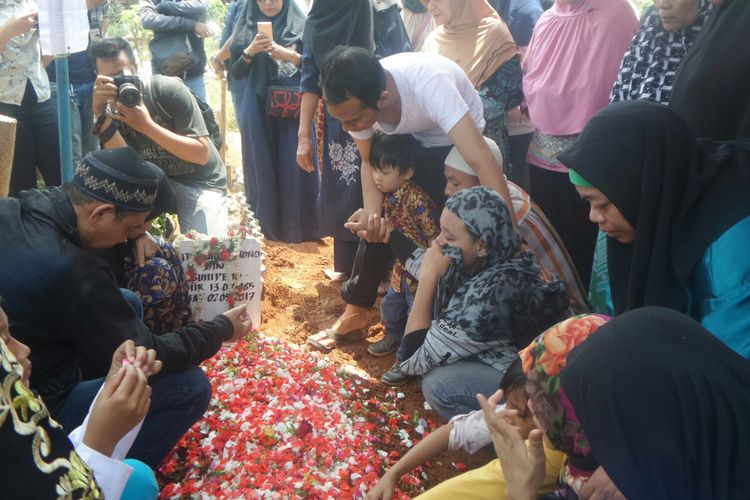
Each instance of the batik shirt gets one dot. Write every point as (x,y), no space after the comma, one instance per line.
(411,211)
(38,460)
(21,58)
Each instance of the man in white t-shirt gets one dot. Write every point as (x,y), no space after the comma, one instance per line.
(427,96)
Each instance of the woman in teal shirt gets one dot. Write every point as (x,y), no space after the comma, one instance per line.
(676,210)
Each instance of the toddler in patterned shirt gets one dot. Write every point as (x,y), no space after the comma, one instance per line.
(410,210)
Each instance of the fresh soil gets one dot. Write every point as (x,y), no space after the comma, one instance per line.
(299,300)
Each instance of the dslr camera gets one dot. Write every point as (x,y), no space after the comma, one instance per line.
(129,90)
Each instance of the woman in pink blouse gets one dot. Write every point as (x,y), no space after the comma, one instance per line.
(569,68)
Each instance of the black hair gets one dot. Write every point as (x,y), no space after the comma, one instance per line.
(349,72)
(514,377)
(110,48)
(399,151)
(79,198)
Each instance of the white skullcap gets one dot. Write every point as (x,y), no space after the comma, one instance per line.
(455,160)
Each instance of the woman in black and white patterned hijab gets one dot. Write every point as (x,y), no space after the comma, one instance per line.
(490,298)
(668,29)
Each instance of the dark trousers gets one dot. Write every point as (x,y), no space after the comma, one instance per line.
(519,169)
(344,255)
(37,143)
(373,259)
(178,400)
(569,215)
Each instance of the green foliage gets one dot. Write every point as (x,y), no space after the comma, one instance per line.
(642,5)
(217,11)
(164,226)
(125,21)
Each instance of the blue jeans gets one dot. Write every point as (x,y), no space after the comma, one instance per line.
(452,389)
(75,124)
(84,95)
(198,85)
(204,210)
(133,300)
(81,119)
(394,311)
(178,400)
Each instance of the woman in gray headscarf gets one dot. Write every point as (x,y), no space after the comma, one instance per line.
(489,297)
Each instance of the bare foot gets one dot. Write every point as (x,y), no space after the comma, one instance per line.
(353,318)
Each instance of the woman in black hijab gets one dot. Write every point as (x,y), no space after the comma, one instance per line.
(676,210)
(282,196)
(661,424)
(330,23)
(663,406)
(711,89)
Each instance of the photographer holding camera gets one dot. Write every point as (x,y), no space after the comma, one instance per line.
(160,118)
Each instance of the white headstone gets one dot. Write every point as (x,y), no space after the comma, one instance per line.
(221,272)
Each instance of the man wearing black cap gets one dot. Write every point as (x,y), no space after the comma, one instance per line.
(149,270)
(62,300)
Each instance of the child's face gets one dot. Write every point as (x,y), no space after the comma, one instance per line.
(516,399)
(389,179)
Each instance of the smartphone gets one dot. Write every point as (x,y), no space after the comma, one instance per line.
(266,28)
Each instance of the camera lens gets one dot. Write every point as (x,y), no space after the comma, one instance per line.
(129,95)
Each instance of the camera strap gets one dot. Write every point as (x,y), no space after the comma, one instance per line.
(106,135)
(100,121)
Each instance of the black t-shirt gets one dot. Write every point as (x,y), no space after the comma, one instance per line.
(172,106)
(80,69)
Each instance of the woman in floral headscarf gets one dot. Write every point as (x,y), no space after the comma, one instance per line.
(489,296)
(543,360)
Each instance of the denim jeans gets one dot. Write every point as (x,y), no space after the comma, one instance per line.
(394,311)
(75,124)
(37,144)
(452,389)
(81,119)
(205,211)
(133,300)
(178,400)
(198,85)
(84,95)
